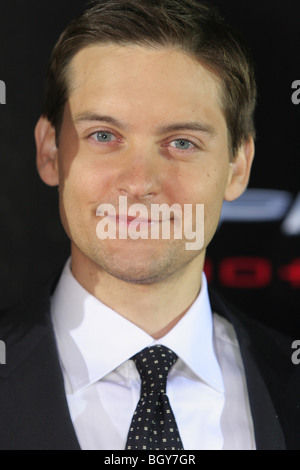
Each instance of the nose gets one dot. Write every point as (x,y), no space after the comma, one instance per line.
(140,176)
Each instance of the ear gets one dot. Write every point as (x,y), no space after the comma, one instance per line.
(240,170)
(46,158)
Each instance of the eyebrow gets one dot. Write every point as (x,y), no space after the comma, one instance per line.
(164,129)
(87,116)
(188,125)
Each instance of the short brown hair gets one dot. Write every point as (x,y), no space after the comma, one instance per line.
(194,26)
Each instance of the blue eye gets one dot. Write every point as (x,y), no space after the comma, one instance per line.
(104,136)
(182,144)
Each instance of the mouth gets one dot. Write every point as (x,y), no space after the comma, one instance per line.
(127,219)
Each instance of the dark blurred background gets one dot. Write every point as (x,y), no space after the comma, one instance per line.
(254,259)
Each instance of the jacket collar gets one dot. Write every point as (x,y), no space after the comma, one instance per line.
(262,381)
(31,347)
(38,419)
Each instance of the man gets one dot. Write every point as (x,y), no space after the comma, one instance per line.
(148,103)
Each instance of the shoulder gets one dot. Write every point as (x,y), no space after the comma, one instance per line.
(269,353)
(28,310)
(261,337)
(24,325)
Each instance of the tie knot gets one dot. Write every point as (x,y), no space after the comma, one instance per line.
(153,364)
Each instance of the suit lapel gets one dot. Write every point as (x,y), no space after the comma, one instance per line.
(258,370)
(34,413)
(267,428)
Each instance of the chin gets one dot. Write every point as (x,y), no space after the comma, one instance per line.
(142,263)
(137,273)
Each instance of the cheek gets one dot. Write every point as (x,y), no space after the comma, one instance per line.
(82,175)
(85,181)
(213,200)
(208,189)
(204,187)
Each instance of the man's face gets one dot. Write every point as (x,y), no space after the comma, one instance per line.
(146,124)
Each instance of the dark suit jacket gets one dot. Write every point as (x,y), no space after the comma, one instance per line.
(34,414)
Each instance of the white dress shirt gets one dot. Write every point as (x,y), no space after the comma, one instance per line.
(206,387)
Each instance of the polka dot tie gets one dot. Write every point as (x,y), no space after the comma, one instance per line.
(153,426)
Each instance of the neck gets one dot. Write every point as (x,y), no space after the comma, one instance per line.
(157,307)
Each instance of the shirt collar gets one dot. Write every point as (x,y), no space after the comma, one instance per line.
(93,339)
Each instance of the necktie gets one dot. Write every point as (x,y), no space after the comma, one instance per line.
(153,426)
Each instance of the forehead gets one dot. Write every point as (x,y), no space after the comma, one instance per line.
(162,83)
